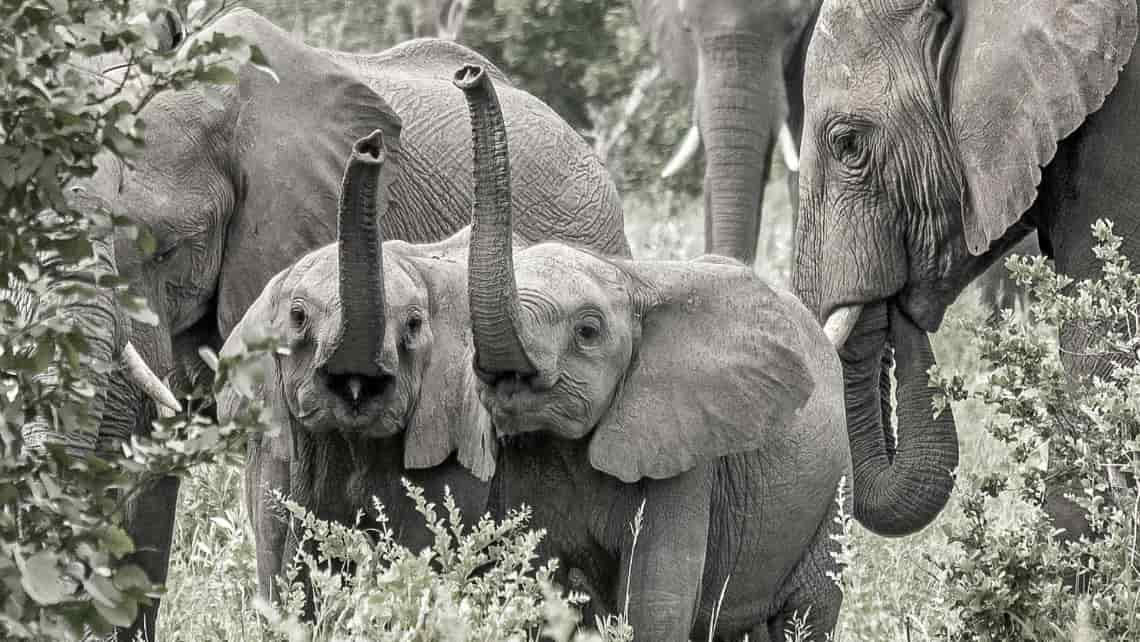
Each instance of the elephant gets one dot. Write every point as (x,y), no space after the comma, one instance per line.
(237,184)
(744,61)
(691,389)
(937,135)
(372,388)
(105,327)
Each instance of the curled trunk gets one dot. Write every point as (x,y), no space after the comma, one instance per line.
(740,98)
(361,262)
(491,277)
(898,488)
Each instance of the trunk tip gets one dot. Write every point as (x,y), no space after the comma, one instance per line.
(369,149)
(469,76)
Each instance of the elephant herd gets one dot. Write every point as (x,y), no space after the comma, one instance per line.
(461,307)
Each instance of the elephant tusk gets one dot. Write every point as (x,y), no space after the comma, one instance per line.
(142,375)
(684,154)
(788,148)
(840,323)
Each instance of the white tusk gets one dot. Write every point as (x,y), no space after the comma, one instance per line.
(684,154)
(141,374)
(788,148)
(840,323)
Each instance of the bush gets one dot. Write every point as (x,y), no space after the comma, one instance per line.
(63,553)
(1004,574)
(479,584)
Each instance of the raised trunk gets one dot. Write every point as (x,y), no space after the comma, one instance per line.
(741,104)
(491,273)
(898,488)
(361,257)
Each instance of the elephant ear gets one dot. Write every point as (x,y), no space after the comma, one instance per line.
(448,416)
(262,381)
(292,131)
(1028,73)
(717,367)
(660,22)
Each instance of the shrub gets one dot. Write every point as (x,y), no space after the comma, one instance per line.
(471,585)
(1005,574)
(63,551)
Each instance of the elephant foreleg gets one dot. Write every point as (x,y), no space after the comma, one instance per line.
(664,567)
(150,523)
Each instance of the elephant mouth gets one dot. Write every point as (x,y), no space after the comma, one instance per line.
(374,418)
(842,318)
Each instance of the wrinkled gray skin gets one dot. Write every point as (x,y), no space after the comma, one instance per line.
(236,188)
(692,388)
(744,61)
(103,324)
(921,167)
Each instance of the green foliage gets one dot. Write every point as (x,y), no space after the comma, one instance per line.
(476,584)
(1004,571)
(64,556)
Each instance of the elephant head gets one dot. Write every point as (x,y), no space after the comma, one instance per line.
(744,61)
(234,183)
(663,365)
(376,333)
(927,125)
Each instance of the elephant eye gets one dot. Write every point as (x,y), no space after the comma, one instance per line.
(297,316)
(587,330)
(164,255)
(848,146)
(414,324)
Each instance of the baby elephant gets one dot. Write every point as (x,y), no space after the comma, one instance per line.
(692,389)
(372,389)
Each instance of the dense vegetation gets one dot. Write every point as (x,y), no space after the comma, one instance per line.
(988,568)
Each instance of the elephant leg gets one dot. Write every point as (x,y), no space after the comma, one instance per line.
(265,473)
(810,596)
(150,523)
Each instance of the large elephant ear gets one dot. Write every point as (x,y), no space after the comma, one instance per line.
(673,45)
(292,131)
(262,381)
(1028,73)
(718,366)
(448,416)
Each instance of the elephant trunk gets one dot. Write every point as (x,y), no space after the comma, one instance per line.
(494,302)
(898,488)
(740,98)
(361,262)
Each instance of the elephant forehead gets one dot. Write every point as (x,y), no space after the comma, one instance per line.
(848,50)
(315,278)
(568,276)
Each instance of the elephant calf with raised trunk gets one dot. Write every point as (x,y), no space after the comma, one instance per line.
(693,389)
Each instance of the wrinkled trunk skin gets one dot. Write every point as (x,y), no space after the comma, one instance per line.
(102,324)
(491,274)
(741,106)
(898,488)
(361,261)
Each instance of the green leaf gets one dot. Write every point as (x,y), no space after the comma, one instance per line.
(43,580)
(217,75)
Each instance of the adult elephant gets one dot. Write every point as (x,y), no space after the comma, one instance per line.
(938,134)
(235,187)
(744,61)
